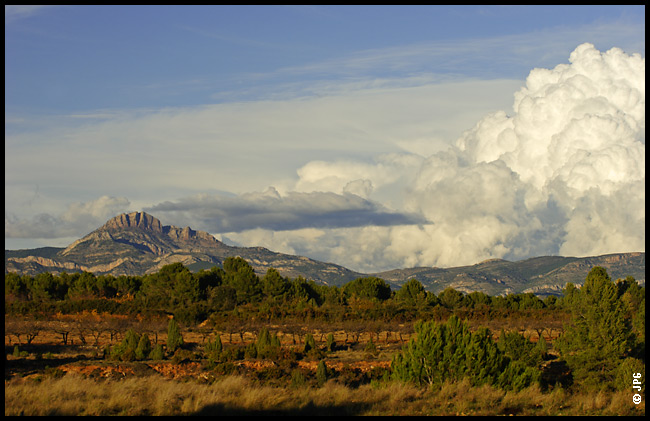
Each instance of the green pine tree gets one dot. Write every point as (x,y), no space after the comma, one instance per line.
(331,344)
(321,373)
(598,338)
(267,344)
(131,339)
(144,347)
(174,337)
(438,353)
(157,353)
(450,351)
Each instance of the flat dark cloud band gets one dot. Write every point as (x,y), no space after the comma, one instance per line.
(269,210)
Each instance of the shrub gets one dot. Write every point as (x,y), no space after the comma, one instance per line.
(518,348)
(250,351)
(310,343)
(233,354)
(128,354)
(267,344)
(126,350)
(144,348)
(174,338)
(542,346)
(297,379)
(331,344)
(213,349)
(624,375)
(517,376)
(450,351)
(157,353)
(181,355)
(322,373)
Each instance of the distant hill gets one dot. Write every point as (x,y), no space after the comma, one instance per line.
(137,243)
(546,275)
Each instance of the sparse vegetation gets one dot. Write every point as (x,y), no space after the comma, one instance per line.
(234,344)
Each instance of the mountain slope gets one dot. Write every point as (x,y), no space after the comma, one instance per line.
(137,243)
(539,275)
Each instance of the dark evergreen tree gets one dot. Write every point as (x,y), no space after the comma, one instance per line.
(241,276)
(144,347)
(126,350)
(157,353)
(451,298)
(174,337)
(413,293)
(322,373)
(330,344)
(450,351)
(268,344)
(15,285)
(274,285)
(476,299)
(310,343)
(518,348)
(368,287)
(46,286)
(599,337)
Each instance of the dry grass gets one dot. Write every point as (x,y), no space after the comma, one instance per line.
(236,395)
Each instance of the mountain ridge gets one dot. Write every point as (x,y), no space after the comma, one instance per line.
(137,243)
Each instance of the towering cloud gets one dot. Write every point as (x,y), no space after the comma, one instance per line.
(576,148)
(565,174)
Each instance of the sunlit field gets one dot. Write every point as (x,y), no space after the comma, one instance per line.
(236,395)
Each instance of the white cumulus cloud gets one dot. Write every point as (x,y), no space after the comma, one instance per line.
(564,174)
(79,217)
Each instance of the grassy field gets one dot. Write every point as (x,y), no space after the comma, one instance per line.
(48,378)
(238,395)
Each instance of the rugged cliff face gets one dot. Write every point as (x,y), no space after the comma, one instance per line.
(139,220)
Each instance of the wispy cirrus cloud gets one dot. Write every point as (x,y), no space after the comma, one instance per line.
(22,11)
(484,57)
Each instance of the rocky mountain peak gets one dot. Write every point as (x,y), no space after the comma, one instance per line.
(141,220)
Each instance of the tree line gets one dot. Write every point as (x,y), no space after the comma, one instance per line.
(194,297)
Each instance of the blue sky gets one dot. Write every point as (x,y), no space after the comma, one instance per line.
(305,129)
(74,58)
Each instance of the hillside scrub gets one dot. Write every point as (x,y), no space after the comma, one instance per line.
(602,324)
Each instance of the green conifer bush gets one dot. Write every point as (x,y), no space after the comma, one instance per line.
(174,337)
(599,337)
(451,352)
